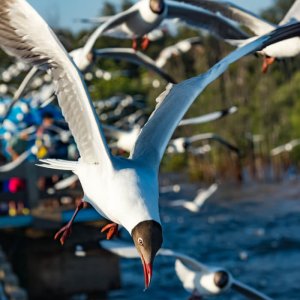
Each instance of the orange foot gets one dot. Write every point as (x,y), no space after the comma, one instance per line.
(266,63)
(145,43)
(112,230)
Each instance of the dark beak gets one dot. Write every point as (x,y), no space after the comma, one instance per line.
(147,272)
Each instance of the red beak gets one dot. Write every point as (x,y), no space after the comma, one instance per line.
(147,273)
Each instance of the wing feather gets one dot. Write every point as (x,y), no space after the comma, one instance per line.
(236,13)
(24,34)
(196,16)
(135,57)
(293,14)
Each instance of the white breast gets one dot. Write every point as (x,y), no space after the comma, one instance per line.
(145,21)
(126,196)
(286,48)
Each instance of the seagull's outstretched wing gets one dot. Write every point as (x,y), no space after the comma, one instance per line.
(112,22)
(135,57)
(202,196)
(198,17)
(22,87)
(248,291)
(15,163)
(176,100)
(293,14)
(188,261)
(24,34)
(215,137)
(120,248)
(208,117)
(66,182)
(236,13)
(128,250)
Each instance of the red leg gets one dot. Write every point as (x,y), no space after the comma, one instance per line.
(112,229)
(145,43)
(266,63)
(134,44)
(65,231)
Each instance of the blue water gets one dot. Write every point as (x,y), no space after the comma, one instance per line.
(253,231)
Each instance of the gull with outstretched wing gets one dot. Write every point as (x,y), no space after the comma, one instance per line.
(283,49)
(197,278)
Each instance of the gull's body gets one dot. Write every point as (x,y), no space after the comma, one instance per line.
(123,190)
(197,203)
(197,278)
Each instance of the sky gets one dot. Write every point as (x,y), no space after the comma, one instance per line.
(63,13)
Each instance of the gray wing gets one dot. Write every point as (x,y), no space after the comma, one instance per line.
(176,100)
(293,14)
(112,22)
(215,137)
(128,250)
(236,13)
(135,57)
(208,117)
(248,291)
(19,92)
(195,16)
(24,34)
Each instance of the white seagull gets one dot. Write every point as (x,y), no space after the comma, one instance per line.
(196,204)
(122,190)
(182,46)
(285,147)
(209,117)
(181,144)
(146,15)
(197,278)
(283,49)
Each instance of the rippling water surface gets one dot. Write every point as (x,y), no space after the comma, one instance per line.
(252,231)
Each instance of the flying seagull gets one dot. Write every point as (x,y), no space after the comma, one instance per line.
(196,204)
(285,147)
(209,117)
(146,15)
(284,49)
(182,46)
(197,278)
(122,190)
(181,144)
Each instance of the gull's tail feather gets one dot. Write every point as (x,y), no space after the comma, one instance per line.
(59,164)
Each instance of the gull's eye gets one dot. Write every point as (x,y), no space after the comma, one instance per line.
(140,241)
